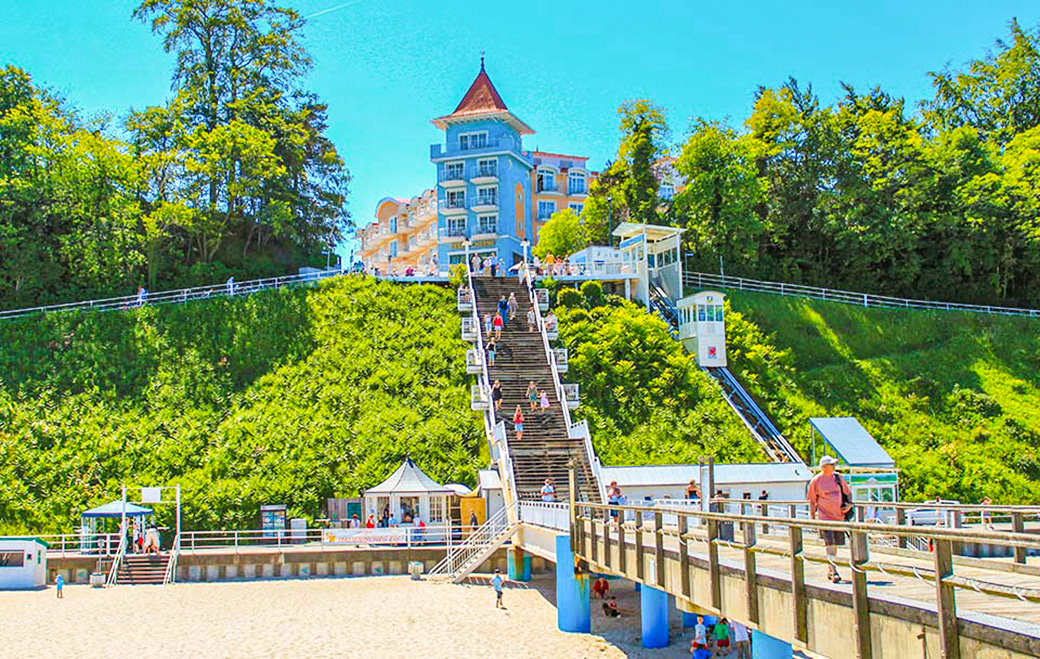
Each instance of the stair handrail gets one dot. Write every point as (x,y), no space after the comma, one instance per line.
(505,462)
(171,565)
(527,278)
(114,570)
(457,556)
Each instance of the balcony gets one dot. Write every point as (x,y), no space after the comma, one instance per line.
(560,357)
(454,232)
(455,149)
(486,175)
(465,300)
(454,207)
(485,205)
(549,189)
(570,394)
(478,400)
(469,330)
(456,179)
(551,331)
(543,299)
(427,236)
(578,190)
(473,361)
(487,231)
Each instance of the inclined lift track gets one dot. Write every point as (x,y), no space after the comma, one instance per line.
(758,422)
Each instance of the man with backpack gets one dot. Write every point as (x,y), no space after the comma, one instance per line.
(830,499)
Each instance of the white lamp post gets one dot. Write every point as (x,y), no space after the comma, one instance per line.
(525,243)
(466,245)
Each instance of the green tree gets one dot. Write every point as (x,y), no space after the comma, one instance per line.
(562,235)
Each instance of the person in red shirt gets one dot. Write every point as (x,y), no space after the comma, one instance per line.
(826,502)
(371,522)
(600,588)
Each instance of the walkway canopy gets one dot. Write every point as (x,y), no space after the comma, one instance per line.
(851,441)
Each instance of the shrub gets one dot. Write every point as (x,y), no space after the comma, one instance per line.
(593,292)
(569,297)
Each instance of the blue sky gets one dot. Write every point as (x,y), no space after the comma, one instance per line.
(387,67)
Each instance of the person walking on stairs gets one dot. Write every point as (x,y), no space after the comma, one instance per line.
(512,305)
(548,491)
(498,323)
(543,402)
(503,310)
(496,395)
(532,395)
(518,423)
(491,352)
(532,321)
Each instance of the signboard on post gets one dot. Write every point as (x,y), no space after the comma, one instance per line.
(151,495)
(272,520)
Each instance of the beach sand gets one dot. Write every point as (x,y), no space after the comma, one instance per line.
(360,617)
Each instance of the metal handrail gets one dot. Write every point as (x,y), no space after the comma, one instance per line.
(546,514)
(227,289)
(707,280)
(171,565)
(433,535)
(114,570)
(527,279)
(457,556)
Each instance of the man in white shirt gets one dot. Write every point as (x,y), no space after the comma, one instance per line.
(741,641)
(548,491)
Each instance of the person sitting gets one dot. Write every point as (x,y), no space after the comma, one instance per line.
(611,609)
(600,588)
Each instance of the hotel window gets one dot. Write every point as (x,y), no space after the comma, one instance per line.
(546,209)
(487,196)
(473,141)
(488,224)
(393,250)
(393,225)
(456,199)
(577,208)
(453,171)
(546,180)
(576,182)
(487,167)
(456,227)
(667,191)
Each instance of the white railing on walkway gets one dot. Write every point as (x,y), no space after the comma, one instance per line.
(549,515)
(408,537)
(78,544)
(171,564)
(227,289)
(527,279)
(706,280)
(588,271)
(111,579)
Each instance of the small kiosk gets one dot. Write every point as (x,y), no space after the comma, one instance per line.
(92,523)
(872,473)
(652,252)
(408,493)
(702,327)
(23,563)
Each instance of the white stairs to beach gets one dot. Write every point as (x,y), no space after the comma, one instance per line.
(479,546)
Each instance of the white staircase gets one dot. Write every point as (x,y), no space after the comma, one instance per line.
(460,561)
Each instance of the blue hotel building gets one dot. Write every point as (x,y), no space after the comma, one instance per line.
(483,178)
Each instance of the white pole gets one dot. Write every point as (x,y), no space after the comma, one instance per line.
(122,519)
(178,538)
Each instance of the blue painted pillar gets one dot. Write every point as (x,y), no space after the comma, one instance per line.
(764,646)
(653,610)
(689,619)
(518,564)
(573,596)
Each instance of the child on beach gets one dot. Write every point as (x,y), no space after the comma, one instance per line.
(699,646)
(722,637)
(496,582)
(59,583)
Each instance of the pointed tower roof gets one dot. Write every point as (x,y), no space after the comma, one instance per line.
(482,101)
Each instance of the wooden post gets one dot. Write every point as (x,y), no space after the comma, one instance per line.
(901,521)
(860,602)
(1018,525)
(622,553)
(659,548)
(640,560)
(750,573)
(799,604)
(684,558)
(593,553)
(946,601)
(606,545)
(713,564)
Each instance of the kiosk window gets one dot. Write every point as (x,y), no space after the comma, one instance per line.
(718,313)
(11,559)
(700,313)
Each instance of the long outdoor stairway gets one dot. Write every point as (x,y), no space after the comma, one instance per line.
(142,569)
(546,449)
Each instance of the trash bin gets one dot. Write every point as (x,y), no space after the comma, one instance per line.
(97,580)
(415,568)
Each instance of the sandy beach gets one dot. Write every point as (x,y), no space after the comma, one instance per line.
(362,617)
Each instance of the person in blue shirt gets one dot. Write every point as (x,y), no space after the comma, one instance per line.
(59,583)
(496,582)
(503,308)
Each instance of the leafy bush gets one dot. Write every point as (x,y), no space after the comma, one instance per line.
(593,293)
(568,297)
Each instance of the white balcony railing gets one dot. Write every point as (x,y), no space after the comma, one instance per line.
(556,516)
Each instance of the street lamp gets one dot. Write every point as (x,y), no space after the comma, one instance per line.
(466,244)
(610,221)
(525,243)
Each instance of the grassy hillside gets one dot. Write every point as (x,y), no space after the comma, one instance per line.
(282,397)
(953,397)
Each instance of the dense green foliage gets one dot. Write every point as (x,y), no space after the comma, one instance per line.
(954,398)
(643,395)
(562,235)
(233,176)
(863,193)
(285,396)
